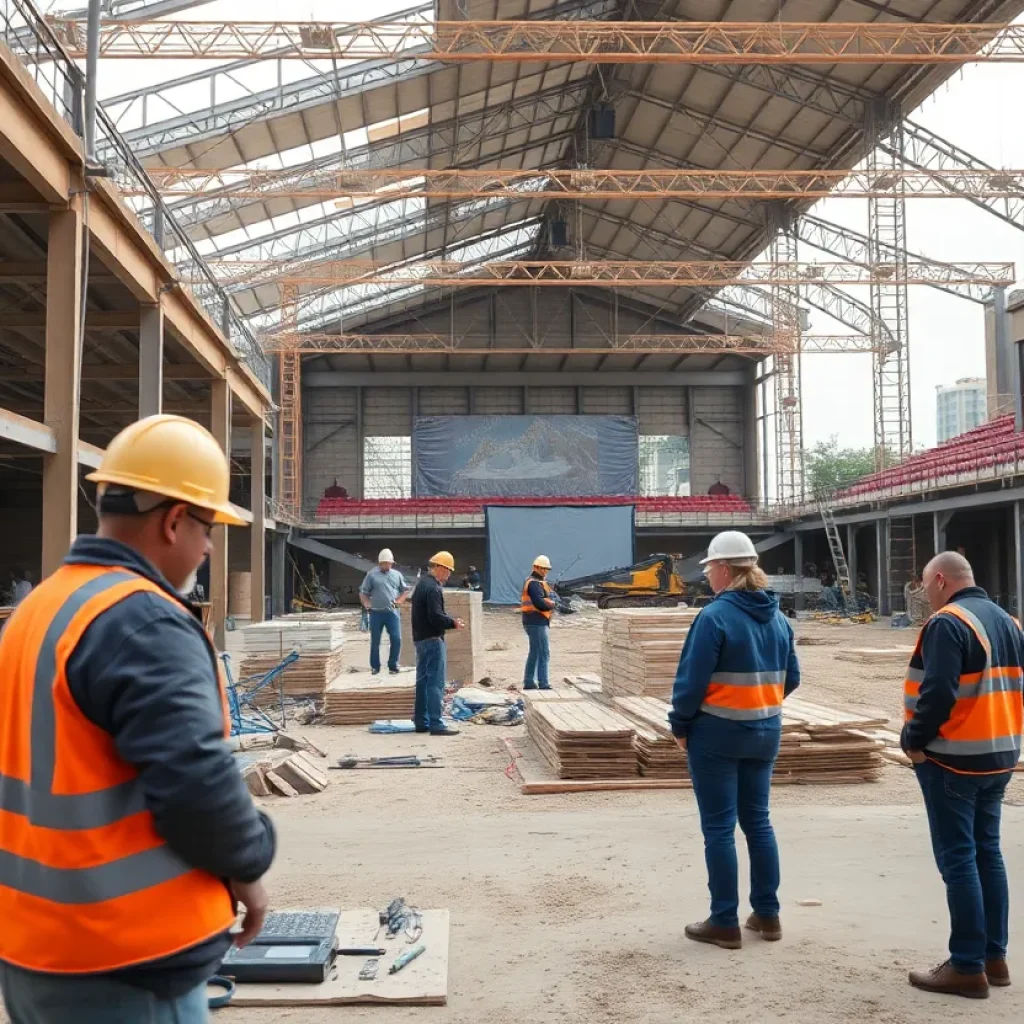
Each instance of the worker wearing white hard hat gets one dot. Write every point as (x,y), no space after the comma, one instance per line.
(537,606)
(383,591)
(737,665)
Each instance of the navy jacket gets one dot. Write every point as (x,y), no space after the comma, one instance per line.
(535,592)
(949,649)
(145,674)
(739,631)
(429,619)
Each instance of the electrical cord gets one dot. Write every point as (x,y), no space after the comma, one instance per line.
(217,1002)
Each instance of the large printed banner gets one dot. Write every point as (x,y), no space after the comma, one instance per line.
(526,456)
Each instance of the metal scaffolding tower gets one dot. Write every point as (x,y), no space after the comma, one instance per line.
(887,246)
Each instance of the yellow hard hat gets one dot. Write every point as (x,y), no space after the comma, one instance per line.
(172,456)
(444,558)
(542,562)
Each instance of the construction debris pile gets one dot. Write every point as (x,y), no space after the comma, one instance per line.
(640,650)
(278,764)
(319,643)
(465,646)
(358,698)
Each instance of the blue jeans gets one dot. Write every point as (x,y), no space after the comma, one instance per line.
(431,669)
(963,815)
(731,766)
(379,621)
(92,999)
(538,659)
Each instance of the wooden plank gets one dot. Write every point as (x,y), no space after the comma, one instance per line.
(423,982)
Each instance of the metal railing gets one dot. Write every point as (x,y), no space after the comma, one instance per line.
(62,82)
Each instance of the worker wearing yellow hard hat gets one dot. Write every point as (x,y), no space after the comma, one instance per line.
(132,783)
(537,605)
(430,622)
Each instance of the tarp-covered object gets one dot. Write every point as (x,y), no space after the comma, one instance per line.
(579,542)
(531,456)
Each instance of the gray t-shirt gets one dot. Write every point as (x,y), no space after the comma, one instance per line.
(382,588)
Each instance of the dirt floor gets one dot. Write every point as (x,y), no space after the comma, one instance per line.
(571,908)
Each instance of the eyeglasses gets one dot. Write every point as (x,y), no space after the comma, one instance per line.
(208,527)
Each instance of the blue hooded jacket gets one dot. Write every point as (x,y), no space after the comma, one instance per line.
(739,631)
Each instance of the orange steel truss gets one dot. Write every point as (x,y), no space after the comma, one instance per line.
(526,41)
(394,184)
(677,344)
(605,273)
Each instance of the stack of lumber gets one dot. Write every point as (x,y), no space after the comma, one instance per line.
(465,646)
(581,739)
(281,774)
(640,650)
(875,655)
(658,755)
(319,643)
(359,698)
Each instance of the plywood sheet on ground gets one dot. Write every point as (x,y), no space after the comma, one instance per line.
(358,698)
(424,982)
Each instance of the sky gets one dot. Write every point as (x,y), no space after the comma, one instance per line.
(975,110)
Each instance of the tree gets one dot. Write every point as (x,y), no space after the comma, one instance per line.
(829,468)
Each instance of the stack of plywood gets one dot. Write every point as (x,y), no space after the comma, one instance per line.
(640,650)
(358,698)
(319,644)
(875,655)
(465,646)
(657,752)
(581,739)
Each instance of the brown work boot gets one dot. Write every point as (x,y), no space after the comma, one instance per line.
(724,938)
(769,928)
(949,981)
(998,973)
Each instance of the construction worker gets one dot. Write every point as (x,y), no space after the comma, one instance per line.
(537,606)
(430,622)
(737,664)
(964,717)
(382,592)
(127,836)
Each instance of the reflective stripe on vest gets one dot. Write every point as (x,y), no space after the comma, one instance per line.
(745,696)
(988,715)
(77,869)
(526,605)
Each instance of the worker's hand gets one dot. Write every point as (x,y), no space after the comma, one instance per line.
(254,897)
(917,756)
(460,624)
(681,742)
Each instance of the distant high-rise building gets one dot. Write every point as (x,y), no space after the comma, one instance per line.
(959,407)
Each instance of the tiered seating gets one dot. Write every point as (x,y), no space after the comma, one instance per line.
(462,506)
(990,445)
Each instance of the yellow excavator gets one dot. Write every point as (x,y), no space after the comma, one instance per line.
(652,583)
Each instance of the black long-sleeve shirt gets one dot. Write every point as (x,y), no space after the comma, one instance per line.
(145,673)
(429,619)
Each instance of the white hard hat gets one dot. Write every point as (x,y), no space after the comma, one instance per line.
(386,556)
(730,545)
(542,562)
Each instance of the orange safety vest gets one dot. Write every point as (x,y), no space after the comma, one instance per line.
(988,716)
(745,696)
(526,606)
(87,885)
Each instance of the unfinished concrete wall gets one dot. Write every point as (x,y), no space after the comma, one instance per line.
(716,444)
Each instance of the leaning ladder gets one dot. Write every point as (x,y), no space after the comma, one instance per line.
(835,546)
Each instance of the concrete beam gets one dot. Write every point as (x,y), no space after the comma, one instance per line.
(151,360)
(694,378)
(110,371)
(95,320)
(63,385)
(220,427)
(257,537)
(33,434)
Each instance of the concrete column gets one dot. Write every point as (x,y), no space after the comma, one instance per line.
(360,445)
(940,521)
(151,360)
(851,553)
(278,572)
(1003,346)
(220,425)
(798,569)
(62,389)
(750,476)
(1018,558)
(258,536)
(882,556)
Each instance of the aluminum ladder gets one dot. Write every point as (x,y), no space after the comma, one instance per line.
(835,546)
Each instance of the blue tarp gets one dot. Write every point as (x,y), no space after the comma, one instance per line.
(535,456)
(579,541)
